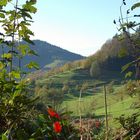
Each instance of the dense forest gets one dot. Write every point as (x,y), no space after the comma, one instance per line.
(71,97)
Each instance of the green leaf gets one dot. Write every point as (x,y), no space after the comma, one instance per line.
(123,52)
(28,40)
(7,55)
(25,23)
(15,74)
(32,65)
(3,2)
(4,137)
(23,49)
(32,52)
(38,133)
(12,15)
(33,2)
(125,67)
(29,32)
(29,7)
(128,74)
(1,65)
(136,5)
(2,15)
(25,14)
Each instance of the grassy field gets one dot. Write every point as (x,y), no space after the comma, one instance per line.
(76,77)
(92,105)
(92,101)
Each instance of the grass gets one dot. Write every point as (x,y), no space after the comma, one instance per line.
(72,77)
(93,105)
(91,100)
(55,63)
(116,107)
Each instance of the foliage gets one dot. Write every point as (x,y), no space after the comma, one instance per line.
(91,129)
(15,95)
(19,117)
(129,29)
(132,88)
(114,54)
(95,69)
(131,124)
(54,126)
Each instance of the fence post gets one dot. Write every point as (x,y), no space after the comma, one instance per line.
(106,114)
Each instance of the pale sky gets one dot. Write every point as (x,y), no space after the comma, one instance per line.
(80,26)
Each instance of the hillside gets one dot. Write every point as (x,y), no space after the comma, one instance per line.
(102,67)
(79,85)
(50,56)
(106,64)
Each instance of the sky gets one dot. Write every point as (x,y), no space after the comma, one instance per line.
(80,26)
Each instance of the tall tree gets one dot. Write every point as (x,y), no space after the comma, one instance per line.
(129,30)
(15,104)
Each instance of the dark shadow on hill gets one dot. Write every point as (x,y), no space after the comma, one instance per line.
(81,74)
(106,76)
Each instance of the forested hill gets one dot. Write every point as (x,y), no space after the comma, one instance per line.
(51,55)
(107,63)
(48,55)
(113,55)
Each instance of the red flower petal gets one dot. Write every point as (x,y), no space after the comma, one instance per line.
(57,116)
(57,127)
(52,113)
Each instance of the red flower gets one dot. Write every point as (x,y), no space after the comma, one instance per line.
(52,113)
(57,116)
(57,127)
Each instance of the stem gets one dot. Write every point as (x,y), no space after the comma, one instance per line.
(135,136)
(80,117)
(106,114)
(121,13)
(2,52)
(80,108)
(13,36)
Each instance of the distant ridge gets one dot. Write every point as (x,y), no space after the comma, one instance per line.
(50,56)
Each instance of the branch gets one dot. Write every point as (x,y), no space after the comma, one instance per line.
(135,61)
(138,133)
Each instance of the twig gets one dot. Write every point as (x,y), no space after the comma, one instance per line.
(138,133)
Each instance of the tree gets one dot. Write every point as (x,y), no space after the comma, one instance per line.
(129,30)
(18,118)
(14,100)
(95,69)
